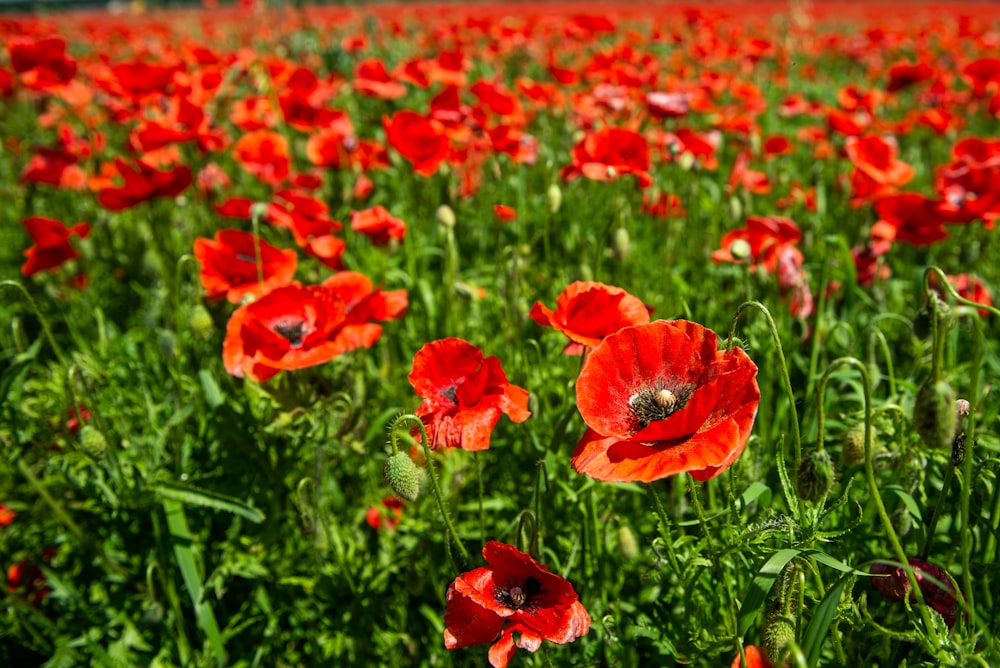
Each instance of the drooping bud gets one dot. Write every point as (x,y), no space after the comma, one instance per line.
(554,195)
(778,633)
(934,415)
(92,441)
(445,216)
(853,446)
(627,544)
(815,475)
(621,245)
(403,476)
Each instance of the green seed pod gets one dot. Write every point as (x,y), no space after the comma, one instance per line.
(627,544)
(403,476)
(92,442)
(853,446)
(934,415)
(902,521)
(815,476)
(777,635)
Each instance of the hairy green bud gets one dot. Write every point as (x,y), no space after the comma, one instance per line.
(627,544)
(777,635)
(934,414)
(815,476)
(403,476)
(92,441)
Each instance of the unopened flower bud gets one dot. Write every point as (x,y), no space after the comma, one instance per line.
(853,446)
(621,244)
(962,407)
(815,476)
(554,194)
(735,208)
(941,594)
(740,250)
(403,476)
(258,210)
(778,633)
(627,544)
(445,216)
(92,442)
(934,415)
(686,160)
(902,521)
(201,322)
(958,450)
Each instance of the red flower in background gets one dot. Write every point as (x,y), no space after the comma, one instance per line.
(661,399)
(588,311)
(6,515)
(609,153)
(264,154)
(388,516)
(229,265)
(310,224)
(378,225)
(972,288)
(41,63)
(912,218)
(52,247)
(936,585)
(464,394)
(143,182)
(371,78)
(504,213)
(766,235)
(294,326)
(755,658)
(877,171)
(418,139)
(513,594)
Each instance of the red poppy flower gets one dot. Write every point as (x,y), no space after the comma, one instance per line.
(6,515)
(42,63)
(378,225)
(371,78)
(661,399)
(766,235)
(229,265)
(972,288)
(464,394)
(388,516)
(294,326)
(504,213)
(143,182)
(513,594)
(418,139)
(264,154)
(52,247)
(935,584)
(609,153)
(588,311)
(666,205)
(912,218)
(309,221)
(755,658)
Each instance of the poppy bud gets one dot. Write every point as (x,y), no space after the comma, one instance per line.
(258,210)
(445,216)
(815,476)
(923,322)
(403,476)
(686,161)
(853,447)
(902,521)
(627,544)
(17,331)
(777,635)
(201,322)
(735,208)
(934,415)
(554,194)
(93,442)
(621,245)
(740,249)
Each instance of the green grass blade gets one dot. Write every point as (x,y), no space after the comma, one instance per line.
(819,625)
(196,496)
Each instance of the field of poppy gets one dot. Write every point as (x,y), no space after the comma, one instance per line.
(551,334)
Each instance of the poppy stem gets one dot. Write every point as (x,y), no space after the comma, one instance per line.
(714,555)
(56,348)
(112,451)
(796,436)
(665,525)
(944,283)
(431,473)
(257,211)
(890,532)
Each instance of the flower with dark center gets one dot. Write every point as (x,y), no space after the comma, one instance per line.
(512,594)
(661,399)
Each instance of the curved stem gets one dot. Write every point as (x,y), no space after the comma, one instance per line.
(796,436)
(946,284)
(666,527)
(897,547)
(432,474)
(56,348)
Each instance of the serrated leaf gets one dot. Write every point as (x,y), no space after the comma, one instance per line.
(196,496)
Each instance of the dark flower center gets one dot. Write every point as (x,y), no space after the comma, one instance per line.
(450,393)
(294,331)
(660,401)
(523,594)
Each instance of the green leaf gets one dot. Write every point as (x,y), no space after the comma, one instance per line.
(196,496)
(908,501)
(753,602)
(213,395)
(819,625)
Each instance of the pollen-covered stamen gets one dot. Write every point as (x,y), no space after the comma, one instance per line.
(521,596)
(659,402)
(294,331)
